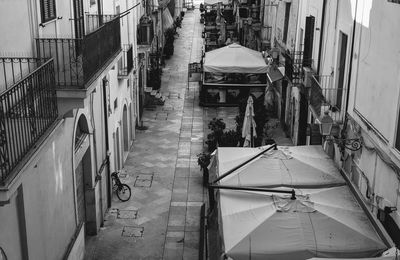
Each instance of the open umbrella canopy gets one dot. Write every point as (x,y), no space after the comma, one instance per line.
(320,222)
(297,166)
(234,58)
(212,2)
(390,254)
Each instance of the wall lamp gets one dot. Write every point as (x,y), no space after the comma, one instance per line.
(389,210)
(325,129)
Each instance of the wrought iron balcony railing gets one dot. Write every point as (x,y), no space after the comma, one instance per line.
(13,69)
(27,109)
(94,21)
(294,64)
(76,61)
(324,96)
(125,64)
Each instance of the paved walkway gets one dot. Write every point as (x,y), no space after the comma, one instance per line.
(161,220)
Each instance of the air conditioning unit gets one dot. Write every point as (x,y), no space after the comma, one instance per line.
(308,73)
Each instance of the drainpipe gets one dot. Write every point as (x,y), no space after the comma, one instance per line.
(105,109)
(351,57)
(321,38)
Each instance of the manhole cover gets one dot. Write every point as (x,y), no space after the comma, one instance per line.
(127,214)
(143,180)
(128,231)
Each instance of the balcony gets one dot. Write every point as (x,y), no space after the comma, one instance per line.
(294,64)
(145,31)
(28,108)
(323,96)
(94,21)
(125,64)
(78,60)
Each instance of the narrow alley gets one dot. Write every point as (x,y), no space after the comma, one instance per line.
(161,220)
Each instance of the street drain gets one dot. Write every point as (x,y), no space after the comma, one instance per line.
(127,214)
(143,180)
(129,231)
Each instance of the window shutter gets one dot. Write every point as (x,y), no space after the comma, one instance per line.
(48,10)
(308,41)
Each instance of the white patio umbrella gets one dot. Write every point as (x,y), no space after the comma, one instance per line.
(319,223)
(249,125)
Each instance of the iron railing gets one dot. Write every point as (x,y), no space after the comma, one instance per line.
(76,61)
(95,21)
(13,69)
(125,64)
(294,64)
(27,110)
(325,97)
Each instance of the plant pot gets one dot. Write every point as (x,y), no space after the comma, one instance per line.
(205,177)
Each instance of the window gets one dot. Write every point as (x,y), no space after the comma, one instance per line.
(48,10)
(286,25)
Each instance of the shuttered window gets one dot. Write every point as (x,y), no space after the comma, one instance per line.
(48,10)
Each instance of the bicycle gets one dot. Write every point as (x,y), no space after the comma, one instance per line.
(122,190)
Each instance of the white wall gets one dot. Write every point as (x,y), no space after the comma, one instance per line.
(376,66)
(15,40)
(314,8)
(10,239)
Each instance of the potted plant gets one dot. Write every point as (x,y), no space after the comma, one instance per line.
(203,160)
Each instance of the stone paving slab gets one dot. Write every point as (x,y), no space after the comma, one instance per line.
(162,211)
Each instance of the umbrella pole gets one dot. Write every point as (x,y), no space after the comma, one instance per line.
(273,146)
(251,134)
(244,188)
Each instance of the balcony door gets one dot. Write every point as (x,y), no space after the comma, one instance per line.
(342,54)
(79,25)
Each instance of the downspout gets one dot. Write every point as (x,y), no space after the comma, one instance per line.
(321,38)
(351,56)
(105,114)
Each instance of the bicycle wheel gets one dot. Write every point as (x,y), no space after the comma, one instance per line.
(123,192)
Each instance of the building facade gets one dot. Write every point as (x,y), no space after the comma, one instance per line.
(69,102)
(346,52)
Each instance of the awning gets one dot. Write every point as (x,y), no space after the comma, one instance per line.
(274,74)
(168,21)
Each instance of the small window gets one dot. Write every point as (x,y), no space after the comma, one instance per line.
(286,24)
(92,2)
(48,10)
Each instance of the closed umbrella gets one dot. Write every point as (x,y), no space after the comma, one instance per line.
(249,125)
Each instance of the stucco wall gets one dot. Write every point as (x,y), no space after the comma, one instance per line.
(15,40)
(376,66)
(313,8)
(10,240)
(48,197)
(280,21)
(342,21)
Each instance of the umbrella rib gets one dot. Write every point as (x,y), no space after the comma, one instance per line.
(287,170)
(315,236)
